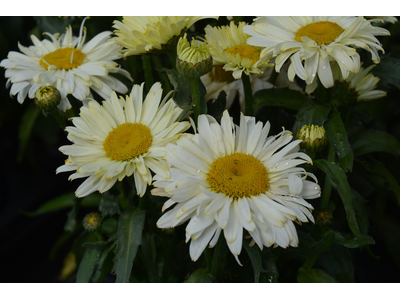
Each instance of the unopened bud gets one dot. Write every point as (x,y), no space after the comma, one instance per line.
(194,59)
(92,221)
(314,137)
(324,217)
(47,98)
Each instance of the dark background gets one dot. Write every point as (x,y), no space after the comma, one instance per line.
(28,249)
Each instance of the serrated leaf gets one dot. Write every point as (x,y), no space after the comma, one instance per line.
(280,97)
(25,128)
(311,113)
(388,70)
(339,181)
(64,201)
(108,205)
(129,237)
(255,258)
(358,241)
(313,276)
(87,265)
(337,137)
(99,246)
(369,141)
(200,276)
(105,263)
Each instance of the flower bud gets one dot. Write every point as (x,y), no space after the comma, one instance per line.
(47,98)
(193,59)
(324,217)
(92,221)
(314,137)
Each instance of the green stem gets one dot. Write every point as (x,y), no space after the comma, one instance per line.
(148,75)
(248,95)
(326,193)
(199,103)
(164,78)
(311,261)
(99,236)
(60,120)
(219,258)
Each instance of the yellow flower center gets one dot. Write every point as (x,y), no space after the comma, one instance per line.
(245,51)
(127,141)
(323,32)
(218,74)
(65,58)
(238,175)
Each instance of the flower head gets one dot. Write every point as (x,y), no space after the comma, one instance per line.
(194,59)
(91,221)
(140,34)
(313,137)
(47,98)
(121,138)
(228,45)
(231,179)
(67,63)
(313,42)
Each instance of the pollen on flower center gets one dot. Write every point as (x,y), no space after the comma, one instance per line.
(323,32)
(127,141)
(238,175)
(65,58)
(245,51)
(218,74)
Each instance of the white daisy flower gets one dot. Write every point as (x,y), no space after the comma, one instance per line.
(121,138)
(67,63)
(218,80)
(312,42)
(229,48)
(142,34)
(362,84)
(234,178)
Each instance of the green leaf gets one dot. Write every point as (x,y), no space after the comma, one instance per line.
(311,113)
(25,128)
(216,107)
(99,246)
(338,263)
(280,97)
(129,237)
(105,263)
(255,258)
(87,265)
(390,180)
(339,181)
(358,241)
(313,276)
(63,202)
(200,276)
(52,24)
(369,141)
(108,205)
(388,70)
(149,255)
(337,137)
